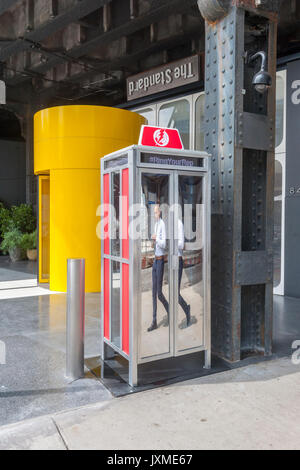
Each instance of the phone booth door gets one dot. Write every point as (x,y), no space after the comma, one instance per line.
(172,267)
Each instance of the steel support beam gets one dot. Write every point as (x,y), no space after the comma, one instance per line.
(129,60)
(240,130)
(6,5)
(165,8)
(79,10)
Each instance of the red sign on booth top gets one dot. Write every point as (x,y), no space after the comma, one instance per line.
(160,137)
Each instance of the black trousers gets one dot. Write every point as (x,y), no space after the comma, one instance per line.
(181,300)
(157,283)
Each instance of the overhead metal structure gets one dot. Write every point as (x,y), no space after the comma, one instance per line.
(6,5)
(59,48)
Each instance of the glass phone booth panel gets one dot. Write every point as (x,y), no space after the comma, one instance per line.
(190,272)
(155,267)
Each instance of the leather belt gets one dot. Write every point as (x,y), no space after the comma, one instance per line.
(159,257)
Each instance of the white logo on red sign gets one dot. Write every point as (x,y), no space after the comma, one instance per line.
(161,137)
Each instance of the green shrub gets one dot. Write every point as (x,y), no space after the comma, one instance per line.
(15,222)
(29,241)
(5,219)
(23,218)
(12,239)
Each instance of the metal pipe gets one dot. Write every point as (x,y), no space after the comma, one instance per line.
(214,10)
(75,318)
(263,56)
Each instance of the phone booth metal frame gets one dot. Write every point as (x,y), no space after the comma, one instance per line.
(129,163)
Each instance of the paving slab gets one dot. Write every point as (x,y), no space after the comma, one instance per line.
(32,380)
(253,407)
(41,434)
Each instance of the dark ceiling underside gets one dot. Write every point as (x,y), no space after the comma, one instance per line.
(66,51)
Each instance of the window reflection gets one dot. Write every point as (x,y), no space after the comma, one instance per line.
(279,110)
(277,223)
(177,115)
(190,265)
(155,335)
(116,219)
(149,114)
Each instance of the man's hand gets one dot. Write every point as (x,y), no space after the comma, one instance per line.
(153,237)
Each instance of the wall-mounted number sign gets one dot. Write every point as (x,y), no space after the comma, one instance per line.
(293,191)
(295,96)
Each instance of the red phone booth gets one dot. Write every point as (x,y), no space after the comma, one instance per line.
(155,251)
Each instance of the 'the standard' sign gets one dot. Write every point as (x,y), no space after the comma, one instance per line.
(164,78)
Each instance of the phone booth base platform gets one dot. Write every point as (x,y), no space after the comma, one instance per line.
(155,259)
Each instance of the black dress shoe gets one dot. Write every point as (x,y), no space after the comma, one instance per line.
(152,327)
(188,316)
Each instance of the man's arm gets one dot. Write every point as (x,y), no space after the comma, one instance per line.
(180,235)
(161,236)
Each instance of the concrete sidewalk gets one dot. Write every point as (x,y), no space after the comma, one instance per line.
(33,329)
(255,407)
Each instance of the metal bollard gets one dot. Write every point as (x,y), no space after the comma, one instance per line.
(75,318)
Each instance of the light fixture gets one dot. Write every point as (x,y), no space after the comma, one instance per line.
(262,80)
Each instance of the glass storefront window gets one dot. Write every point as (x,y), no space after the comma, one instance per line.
(277,223)
(176,114)
(279,110)
(278,179)
(149,114)
(199,122)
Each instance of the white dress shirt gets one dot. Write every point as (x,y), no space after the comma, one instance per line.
(160,232)
(180,237)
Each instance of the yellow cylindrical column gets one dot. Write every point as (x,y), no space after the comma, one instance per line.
(69,142)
